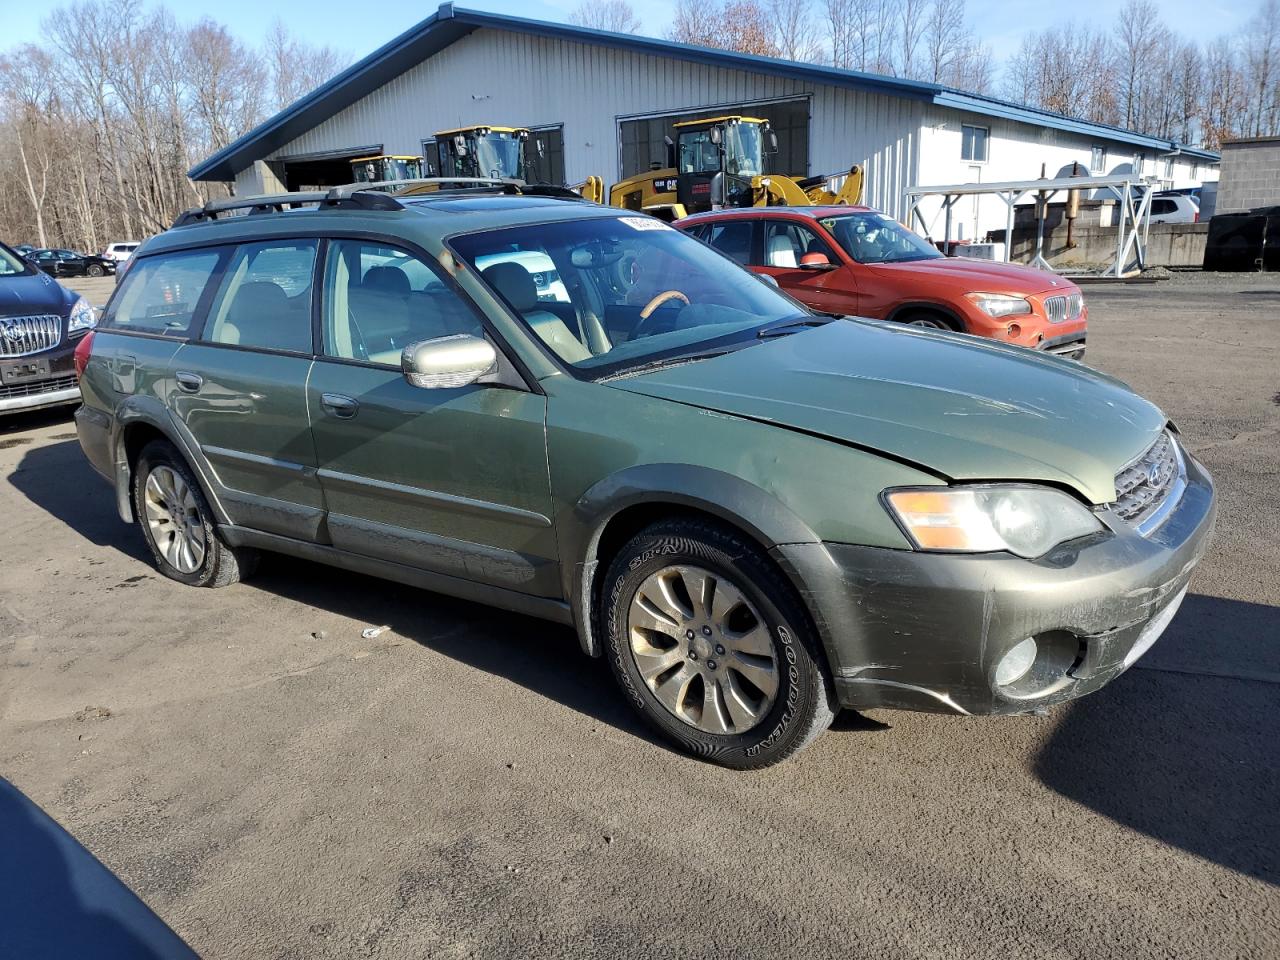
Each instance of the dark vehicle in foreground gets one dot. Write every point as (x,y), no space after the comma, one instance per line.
(758,515)
(68,263)
(858,261)
(41,324)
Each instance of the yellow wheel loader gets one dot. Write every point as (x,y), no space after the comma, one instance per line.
(719,162)
(499,153)
(385,167)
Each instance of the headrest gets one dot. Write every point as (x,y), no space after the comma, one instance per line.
(390,280)
(514,283)
(258,297)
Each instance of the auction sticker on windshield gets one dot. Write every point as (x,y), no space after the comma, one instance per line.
(644,223)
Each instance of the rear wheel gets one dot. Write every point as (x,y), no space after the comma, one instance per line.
(178,525)
(96,270)
(711,646)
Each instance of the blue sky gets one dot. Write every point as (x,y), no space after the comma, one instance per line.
(358,29)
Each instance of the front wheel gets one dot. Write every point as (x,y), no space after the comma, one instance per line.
(178,525)
(711,646)
(930,321)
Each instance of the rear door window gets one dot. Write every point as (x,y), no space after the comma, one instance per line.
(160,294)
(733,239)
(265,299)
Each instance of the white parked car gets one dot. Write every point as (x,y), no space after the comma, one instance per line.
(120,252)
(1174,208)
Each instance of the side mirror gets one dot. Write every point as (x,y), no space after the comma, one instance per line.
(716,136)
(460,145)
(717,191)
(444,362)
(816,261)
(769,279)
(773,142)
(542,147)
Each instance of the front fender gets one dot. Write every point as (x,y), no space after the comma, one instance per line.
(735,501)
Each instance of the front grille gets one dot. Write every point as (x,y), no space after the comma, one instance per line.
(1143,487)
(20,336)
(1062,308)
(37,387)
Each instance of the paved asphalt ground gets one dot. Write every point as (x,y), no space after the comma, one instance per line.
(468,785)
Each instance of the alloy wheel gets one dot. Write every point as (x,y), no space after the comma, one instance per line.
(703,649)
(174,520)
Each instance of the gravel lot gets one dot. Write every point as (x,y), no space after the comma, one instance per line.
(468,785)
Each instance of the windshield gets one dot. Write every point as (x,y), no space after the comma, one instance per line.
(498,155)
(744,153)
(872,237)
(11,265)
(609,294)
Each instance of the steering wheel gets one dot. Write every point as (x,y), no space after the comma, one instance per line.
(660,299)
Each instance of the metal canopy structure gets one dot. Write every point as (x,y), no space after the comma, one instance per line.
(1132,193)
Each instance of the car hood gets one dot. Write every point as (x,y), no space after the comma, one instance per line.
(38,293)
(960,407)
(986,276)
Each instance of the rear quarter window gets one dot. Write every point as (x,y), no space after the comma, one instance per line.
(160,294)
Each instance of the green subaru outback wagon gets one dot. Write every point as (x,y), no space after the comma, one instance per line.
(756,514)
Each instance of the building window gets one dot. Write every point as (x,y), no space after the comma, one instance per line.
(1168,168)
(1138,160)
(1098,160)
(973,143)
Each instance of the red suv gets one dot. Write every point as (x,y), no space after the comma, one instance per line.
(857,261)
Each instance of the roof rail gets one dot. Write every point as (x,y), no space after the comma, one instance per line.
(369,196)
(350,189)
(337,197)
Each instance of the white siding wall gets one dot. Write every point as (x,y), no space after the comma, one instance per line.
(498,77)
(1016,151)
(495,76)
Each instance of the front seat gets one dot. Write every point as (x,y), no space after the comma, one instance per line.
(515,285)
(262,308)
(782,253)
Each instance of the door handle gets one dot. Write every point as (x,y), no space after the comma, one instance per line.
(188,382)
(339,405)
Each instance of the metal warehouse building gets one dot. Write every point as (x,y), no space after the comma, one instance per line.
(603,102)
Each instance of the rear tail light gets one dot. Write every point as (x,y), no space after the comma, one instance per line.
(81,357)
(1197,217)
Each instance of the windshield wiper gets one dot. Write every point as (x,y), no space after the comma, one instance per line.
(792,325)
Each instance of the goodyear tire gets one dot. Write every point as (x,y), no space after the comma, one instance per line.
(711,646)
(177,524)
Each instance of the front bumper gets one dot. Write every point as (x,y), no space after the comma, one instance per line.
(54,383)
(925,631)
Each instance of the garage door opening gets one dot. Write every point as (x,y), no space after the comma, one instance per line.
(314,171)
(643,143)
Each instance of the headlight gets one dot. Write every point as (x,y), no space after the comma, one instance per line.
(1027,521)
(1000,305)
(83,316)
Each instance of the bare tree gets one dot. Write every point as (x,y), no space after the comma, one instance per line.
(613,15)
(296,67)
(739,25)
(1262,67)
(795,31)
(25,87)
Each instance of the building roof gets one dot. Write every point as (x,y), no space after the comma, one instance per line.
(450,24)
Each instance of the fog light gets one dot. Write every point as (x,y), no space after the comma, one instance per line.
(1014,665)
(1015,331)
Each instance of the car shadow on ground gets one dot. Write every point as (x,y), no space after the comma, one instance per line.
(1185,747)
(57,478)
(57,900)
(541,656)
